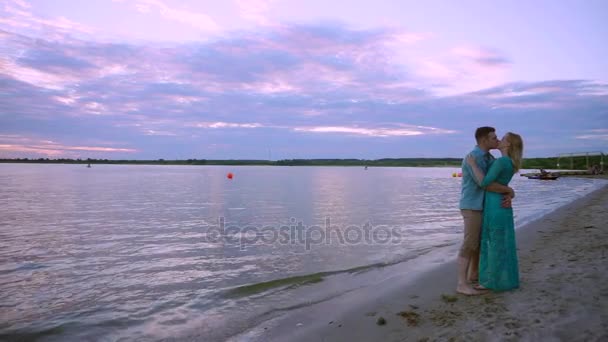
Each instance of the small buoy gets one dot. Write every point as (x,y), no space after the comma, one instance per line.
(454,174)
(229,175)
(459,174)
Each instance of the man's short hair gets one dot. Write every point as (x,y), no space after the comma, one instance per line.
(483,132)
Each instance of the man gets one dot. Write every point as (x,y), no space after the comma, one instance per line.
(471,208)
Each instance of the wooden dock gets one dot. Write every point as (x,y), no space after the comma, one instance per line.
(591,170)
(560,173)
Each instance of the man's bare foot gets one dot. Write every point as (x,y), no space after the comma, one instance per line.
(468,290)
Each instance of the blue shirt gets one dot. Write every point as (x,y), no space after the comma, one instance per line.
(472,195)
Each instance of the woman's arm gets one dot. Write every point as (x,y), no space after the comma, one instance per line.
(489,181)
(493,172)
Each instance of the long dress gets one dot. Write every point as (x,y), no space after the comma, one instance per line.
(498,269)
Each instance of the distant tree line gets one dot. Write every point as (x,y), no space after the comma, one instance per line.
(577,163)
(138,162)
(367,162)
(284,162)
(529,163)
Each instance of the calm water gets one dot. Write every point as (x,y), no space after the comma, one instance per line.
(149,252)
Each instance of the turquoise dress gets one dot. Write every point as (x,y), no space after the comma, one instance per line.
(498,269)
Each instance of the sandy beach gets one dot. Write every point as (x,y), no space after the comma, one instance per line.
(563,294)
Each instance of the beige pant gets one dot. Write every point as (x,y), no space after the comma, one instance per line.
(472,232)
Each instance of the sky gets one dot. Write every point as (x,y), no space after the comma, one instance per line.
(283,79)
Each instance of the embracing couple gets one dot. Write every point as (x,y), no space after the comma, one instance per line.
(487,259)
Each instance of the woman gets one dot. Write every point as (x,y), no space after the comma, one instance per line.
(498,268)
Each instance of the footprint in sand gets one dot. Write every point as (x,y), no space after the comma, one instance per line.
(512,325)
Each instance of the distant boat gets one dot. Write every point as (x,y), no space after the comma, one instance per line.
(366,168)
(89,165)
(544,177)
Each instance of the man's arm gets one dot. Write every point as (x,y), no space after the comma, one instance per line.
(501,189)
(508,193)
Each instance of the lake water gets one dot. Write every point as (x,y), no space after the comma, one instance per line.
(151,252)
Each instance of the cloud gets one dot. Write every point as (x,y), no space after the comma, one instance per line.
(460,70)
(21,4)
(594,134)
(482,56)
(303,86)
(546,94)
(49,59)
(396,130)
(255,11)
(226,125)
(189,17)
(17,145)
(17,16)
(286,60)
(593,137)
(159,133)
(374,132)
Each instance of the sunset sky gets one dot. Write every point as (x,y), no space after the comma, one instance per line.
(249,79)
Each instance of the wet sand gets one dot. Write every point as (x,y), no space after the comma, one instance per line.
(563,295)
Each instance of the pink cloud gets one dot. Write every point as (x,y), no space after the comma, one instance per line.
(363,56)
(95,108)
(21,3)
(255,11)
(460,70)
(40,78)
(226,125)
(18,15)
(184,99)
(359,131)
(401,130)
(406,37)
(396,130)
(66,100)
(88,148)
(313,112)
(198,20)
(17,145)
(18,150)
(273,83)
(159,133)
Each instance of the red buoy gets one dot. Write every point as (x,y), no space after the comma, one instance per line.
(229,175)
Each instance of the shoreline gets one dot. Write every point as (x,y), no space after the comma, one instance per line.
(561,256)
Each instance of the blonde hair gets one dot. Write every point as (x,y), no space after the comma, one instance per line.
(515,150)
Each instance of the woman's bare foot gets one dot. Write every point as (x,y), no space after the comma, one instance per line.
(468,290)
(480,287)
